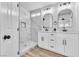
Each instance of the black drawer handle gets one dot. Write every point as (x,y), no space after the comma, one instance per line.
(51,34)
(42,38)
(52,46)
(52,39)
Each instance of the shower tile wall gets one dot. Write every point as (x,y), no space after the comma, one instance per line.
(35,25)
(25,33)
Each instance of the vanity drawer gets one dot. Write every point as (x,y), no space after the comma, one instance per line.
(51,38)
(51,41)
(52,34)
(52,46)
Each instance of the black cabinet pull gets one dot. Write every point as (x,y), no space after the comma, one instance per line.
(42,38)
(52,39)
(52,46)
(63,42)
(51,34)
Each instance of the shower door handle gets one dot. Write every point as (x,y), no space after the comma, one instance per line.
(17,29)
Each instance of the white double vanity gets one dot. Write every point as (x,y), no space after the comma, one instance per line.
(60,29)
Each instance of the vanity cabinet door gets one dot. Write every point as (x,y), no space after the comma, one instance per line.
(71,45)
(43,40)
(60,43)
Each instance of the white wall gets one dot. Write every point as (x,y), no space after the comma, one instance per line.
(35,5)
(8,26)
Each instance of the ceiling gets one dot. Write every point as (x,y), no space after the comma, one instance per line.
(35,5)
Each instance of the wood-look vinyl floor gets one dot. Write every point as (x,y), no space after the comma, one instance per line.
(39,52)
